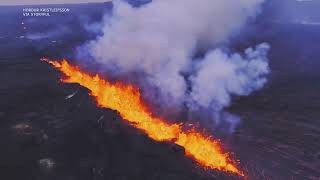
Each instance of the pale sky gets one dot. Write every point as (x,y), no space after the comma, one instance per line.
(31,2)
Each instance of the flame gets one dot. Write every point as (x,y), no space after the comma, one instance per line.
(126,100)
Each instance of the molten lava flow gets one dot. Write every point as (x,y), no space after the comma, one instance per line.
(126,99)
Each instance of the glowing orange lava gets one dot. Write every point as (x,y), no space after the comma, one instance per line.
(126,100)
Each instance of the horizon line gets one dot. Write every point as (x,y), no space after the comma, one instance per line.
(50,3)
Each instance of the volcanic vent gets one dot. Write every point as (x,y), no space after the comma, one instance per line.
(126,100)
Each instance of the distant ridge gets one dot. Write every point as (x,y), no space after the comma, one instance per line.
(61,2)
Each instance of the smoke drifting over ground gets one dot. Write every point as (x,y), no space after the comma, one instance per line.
(158,45)
(220,75)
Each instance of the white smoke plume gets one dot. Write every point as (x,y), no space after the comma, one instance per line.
(160,40)
(220,75)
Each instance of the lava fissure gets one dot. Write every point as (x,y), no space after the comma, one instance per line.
(127,101)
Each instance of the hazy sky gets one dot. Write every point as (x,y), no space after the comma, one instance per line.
(28,2)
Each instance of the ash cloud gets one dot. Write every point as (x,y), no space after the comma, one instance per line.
(156,45)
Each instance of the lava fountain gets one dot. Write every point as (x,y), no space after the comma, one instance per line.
(127,101)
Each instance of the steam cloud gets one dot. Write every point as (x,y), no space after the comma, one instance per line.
(158,44)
